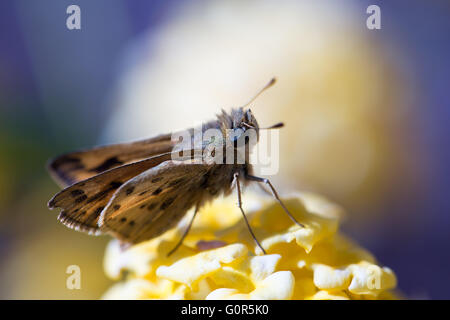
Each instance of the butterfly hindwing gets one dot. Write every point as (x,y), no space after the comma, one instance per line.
(154,201)
(73,167)
(83,202)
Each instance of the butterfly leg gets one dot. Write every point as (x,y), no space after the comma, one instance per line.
(236,177)
(263,189)
(185,233)
(275,194)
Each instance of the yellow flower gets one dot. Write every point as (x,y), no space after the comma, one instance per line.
(219,259)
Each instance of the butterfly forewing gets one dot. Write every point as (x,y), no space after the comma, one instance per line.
(154,201)
(83,202)
(77,166)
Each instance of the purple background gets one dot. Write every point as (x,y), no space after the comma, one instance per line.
(49,73)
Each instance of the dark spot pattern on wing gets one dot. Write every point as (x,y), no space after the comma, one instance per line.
(91,196)
(166,203)
(175,182)
(170,189)
(100,195)
(76,166)
(64,165)
(76,192)
(107,164)
(81,199)
(157,191)
(115,184)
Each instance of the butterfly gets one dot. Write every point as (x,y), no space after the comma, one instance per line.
(137,191)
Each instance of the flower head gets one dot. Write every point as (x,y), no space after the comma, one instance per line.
(219,259)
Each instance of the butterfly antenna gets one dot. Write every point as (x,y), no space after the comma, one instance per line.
(267,86)
(275,126)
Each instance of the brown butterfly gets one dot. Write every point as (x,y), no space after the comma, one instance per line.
(137,191)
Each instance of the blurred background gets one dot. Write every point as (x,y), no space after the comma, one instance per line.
(366,111)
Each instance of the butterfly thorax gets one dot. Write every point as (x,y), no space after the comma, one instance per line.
(240,132)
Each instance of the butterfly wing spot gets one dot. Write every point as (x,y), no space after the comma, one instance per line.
(131,223)
(98,210)
(176,182)
(107,164)
(116,184)
(63,166)
(167,203)
(66,160)
(157,191)
(129,190)
(123,219)
(79,199)
(116,207)
(100,195)
(151,206)
(77,192)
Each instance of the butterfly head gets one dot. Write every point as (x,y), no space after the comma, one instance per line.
(244,124)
